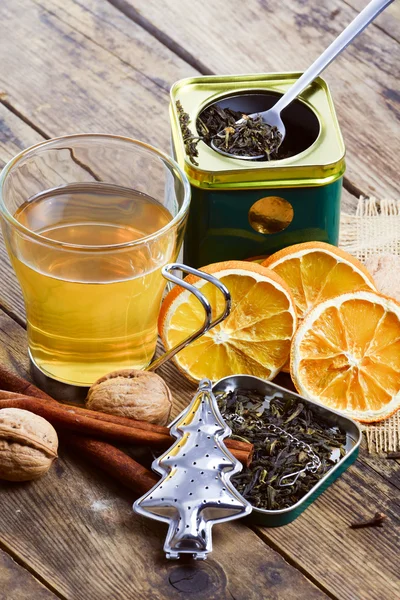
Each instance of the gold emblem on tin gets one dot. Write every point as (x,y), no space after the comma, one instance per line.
(271,214)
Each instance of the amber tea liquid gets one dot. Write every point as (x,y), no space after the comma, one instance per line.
(92,311)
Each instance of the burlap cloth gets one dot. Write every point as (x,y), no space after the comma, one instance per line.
(375,231)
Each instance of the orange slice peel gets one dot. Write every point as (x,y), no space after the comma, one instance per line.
(254,339)
(346,355)
(316,271)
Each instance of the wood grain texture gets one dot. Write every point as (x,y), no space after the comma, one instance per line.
(389,468)
(352,564)
(288,36)
(75,528)
(106,26)
(15,135)
(388,21)
(18,584)
(72,84)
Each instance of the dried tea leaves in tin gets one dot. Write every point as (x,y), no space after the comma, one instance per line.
(250,137)
(287,437)
(237,133)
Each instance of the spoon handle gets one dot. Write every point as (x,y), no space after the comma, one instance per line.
(368,14)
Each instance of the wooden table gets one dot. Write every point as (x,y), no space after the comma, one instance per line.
(92,65)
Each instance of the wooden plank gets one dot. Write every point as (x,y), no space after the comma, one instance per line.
(351,563)
(288,36)
(100,22)
(15,135)
(77,531)
(16,583)
(388,468)
(349,202)
(64,83)
(388,21)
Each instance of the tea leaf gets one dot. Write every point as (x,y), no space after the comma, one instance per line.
(190,141)
(274,454)
(249,137)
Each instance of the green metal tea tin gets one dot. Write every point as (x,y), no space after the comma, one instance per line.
(242,209)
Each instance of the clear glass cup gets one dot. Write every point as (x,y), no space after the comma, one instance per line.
(89,221)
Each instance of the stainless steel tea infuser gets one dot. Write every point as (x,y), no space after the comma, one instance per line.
(168,273)
(273,116)
(195,490)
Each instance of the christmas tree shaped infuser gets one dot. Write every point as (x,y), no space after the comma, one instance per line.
(195,490)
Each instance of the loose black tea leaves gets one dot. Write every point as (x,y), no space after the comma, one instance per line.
(276,455)
(250,137)
(190,141)
(214,119)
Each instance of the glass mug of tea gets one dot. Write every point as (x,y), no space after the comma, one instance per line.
(89,222)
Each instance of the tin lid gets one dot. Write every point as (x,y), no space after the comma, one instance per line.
(319,164)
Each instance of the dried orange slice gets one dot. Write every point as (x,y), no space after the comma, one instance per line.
(254,339)
(346,355)
(315,271)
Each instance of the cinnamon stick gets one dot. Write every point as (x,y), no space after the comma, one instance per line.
(93,414)
(128,422)
(13,387)
(115,429)
(64,417)
(116,463)
(125,421)
(13,383)
(19,393)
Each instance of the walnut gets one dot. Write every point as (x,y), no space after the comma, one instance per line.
(28,445)
(140,395)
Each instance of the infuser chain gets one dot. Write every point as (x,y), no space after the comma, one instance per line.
(313,465)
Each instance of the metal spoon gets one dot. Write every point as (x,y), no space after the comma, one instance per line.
(273,116)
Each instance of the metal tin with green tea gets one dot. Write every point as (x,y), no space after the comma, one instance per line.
(241,209)
(353,436)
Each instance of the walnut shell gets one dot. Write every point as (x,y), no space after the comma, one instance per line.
(140,395)
(28,445)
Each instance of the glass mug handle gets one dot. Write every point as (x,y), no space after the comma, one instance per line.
(169,273)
